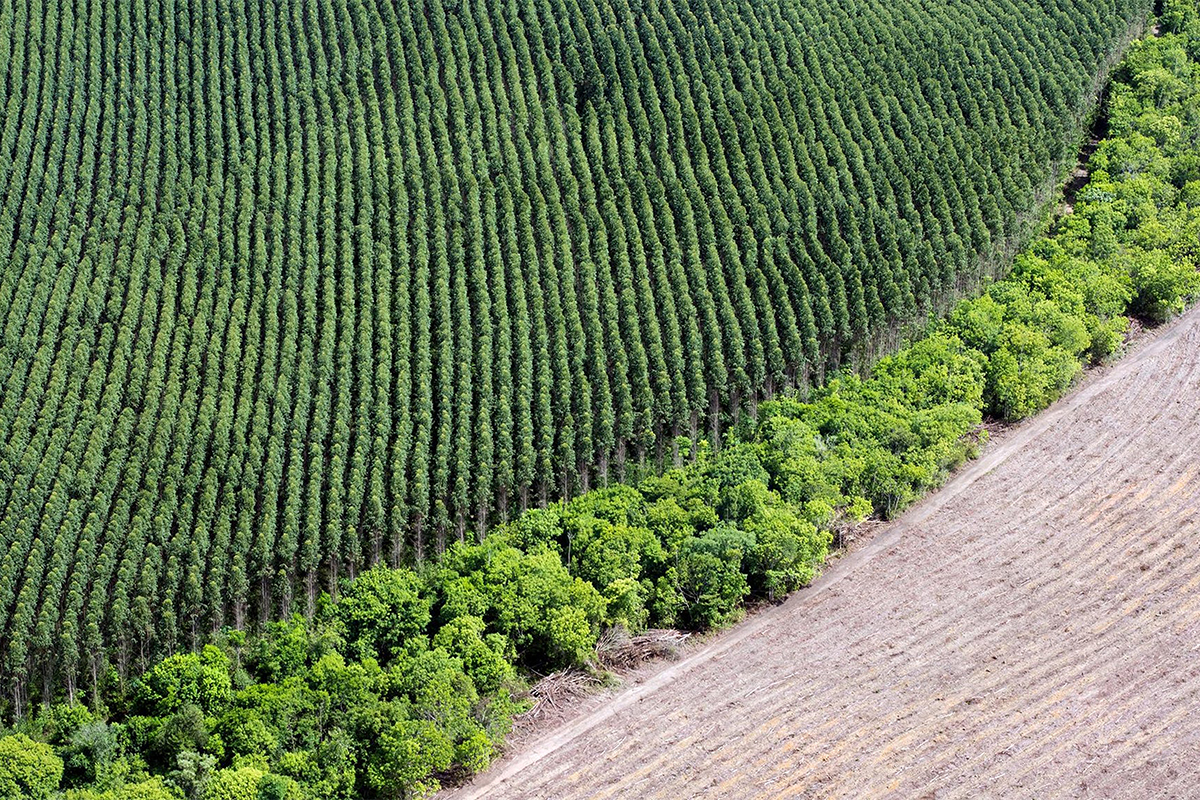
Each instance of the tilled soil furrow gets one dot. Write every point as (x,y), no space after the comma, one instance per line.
(1028,632)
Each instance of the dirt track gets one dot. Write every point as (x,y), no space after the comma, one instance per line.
(1030,631)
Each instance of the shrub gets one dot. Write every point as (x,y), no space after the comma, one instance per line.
(29,770)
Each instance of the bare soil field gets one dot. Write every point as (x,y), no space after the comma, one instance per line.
(1032,630)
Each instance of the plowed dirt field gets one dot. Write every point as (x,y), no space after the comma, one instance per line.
(1032,630)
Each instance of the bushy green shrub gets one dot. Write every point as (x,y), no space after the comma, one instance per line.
(385,614)
(29,770)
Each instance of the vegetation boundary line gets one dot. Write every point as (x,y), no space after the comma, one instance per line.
(892,534)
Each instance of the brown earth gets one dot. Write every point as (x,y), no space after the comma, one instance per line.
(1032,630)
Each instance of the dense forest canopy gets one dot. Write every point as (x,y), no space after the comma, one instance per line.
(290,288)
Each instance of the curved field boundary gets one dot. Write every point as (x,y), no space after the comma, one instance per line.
(1038,635)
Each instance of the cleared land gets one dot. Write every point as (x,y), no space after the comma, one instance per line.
(1032,630)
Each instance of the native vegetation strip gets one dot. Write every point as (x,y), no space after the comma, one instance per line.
(412,677)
